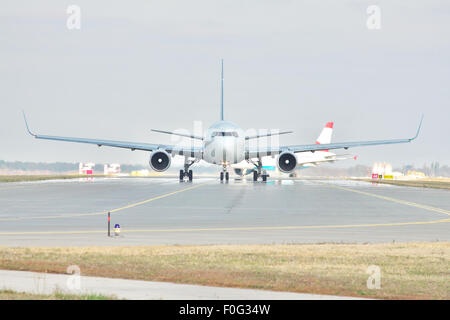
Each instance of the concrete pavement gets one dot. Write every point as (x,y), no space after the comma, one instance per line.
(46,283)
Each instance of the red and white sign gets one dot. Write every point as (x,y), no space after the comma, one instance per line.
(86,168)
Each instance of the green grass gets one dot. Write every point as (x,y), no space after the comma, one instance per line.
(412,270)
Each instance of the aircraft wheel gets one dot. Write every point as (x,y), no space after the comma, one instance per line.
(181,175)
(221,176)
(227,176)
(255,176)
(264,177)
(190,175)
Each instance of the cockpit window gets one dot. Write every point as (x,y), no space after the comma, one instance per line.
(225,134)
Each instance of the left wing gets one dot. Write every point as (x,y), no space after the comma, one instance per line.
(195,152)
(261,152)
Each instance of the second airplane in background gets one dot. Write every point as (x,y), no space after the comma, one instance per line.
(304,159)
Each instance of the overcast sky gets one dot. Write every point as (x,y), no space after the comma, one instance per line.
(290,65)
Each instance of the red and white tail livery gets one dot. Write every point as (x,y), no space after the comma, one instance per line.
(325,135)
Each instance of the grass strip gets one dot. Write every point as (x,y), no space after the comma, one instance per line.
(408,271)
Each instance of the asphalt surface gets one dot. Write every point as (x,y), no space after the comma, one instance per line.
(45,283)
(164,211)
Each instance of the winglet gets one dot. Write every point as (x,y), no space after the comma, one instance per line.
(26,124)
(418,129)
(221,94)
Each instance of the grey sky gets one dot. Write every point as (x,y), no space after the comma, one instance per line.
(294,65)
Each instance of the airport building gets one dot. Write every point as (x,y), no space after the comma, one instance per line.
(86,168)
(113,168)
(383,170)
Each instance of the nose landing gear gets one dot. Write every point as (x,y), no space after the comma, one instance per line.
(224,174)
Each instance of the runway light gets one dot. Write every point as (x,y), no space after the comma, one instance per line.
(117,229)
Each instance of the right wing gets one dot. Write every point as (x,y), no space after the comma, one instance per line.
(268,151)
(194,152)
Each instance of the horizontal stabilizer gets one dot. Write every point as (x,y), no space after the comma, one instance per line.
(179,134)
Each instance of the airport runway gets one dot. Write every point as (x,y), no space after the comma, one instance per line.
(164,211)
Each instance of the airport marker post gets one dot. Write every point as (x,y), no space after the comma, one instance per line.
(109,224)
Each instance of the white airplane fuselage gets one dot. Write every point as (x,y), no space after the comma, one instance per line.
(224,144)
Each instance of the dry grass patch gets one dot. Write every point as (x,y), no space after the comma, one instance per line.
(20,178)
(413,270)
(423,183)
(14,295)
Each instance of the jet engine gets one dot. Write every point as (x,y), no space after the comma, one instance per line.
(160,160)
(287,162)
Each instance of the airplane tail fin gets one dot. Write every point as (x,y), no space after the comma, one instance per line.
(221,94)
(325,135)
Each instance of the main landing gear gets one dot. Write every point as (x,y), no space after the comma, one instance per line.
(186,172)
(259,172)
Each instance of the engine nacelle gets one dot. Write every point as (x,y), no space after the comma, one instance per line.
(160,160)
(287,162)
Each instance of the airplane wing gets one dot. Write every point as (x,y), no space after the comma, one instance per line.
(195,152)
(261,152)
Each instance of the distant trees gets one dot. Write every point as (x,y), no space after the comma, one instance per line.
(36,166)
(432,170)
(57,167)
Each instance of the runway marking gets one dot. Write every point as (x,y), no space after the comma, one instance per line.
(408,203)
(232,228)
(429,208)
(106,211)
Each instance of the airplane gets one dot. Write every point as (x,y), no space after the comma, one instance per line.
(312,159)
(304,159)
(223,144)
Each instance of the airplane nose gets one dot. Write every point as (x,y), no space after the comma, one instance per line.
(229,149)
(225,149)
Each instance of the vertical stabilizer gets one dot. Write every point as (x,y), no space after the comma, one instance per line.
(221,94)
(325,135)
